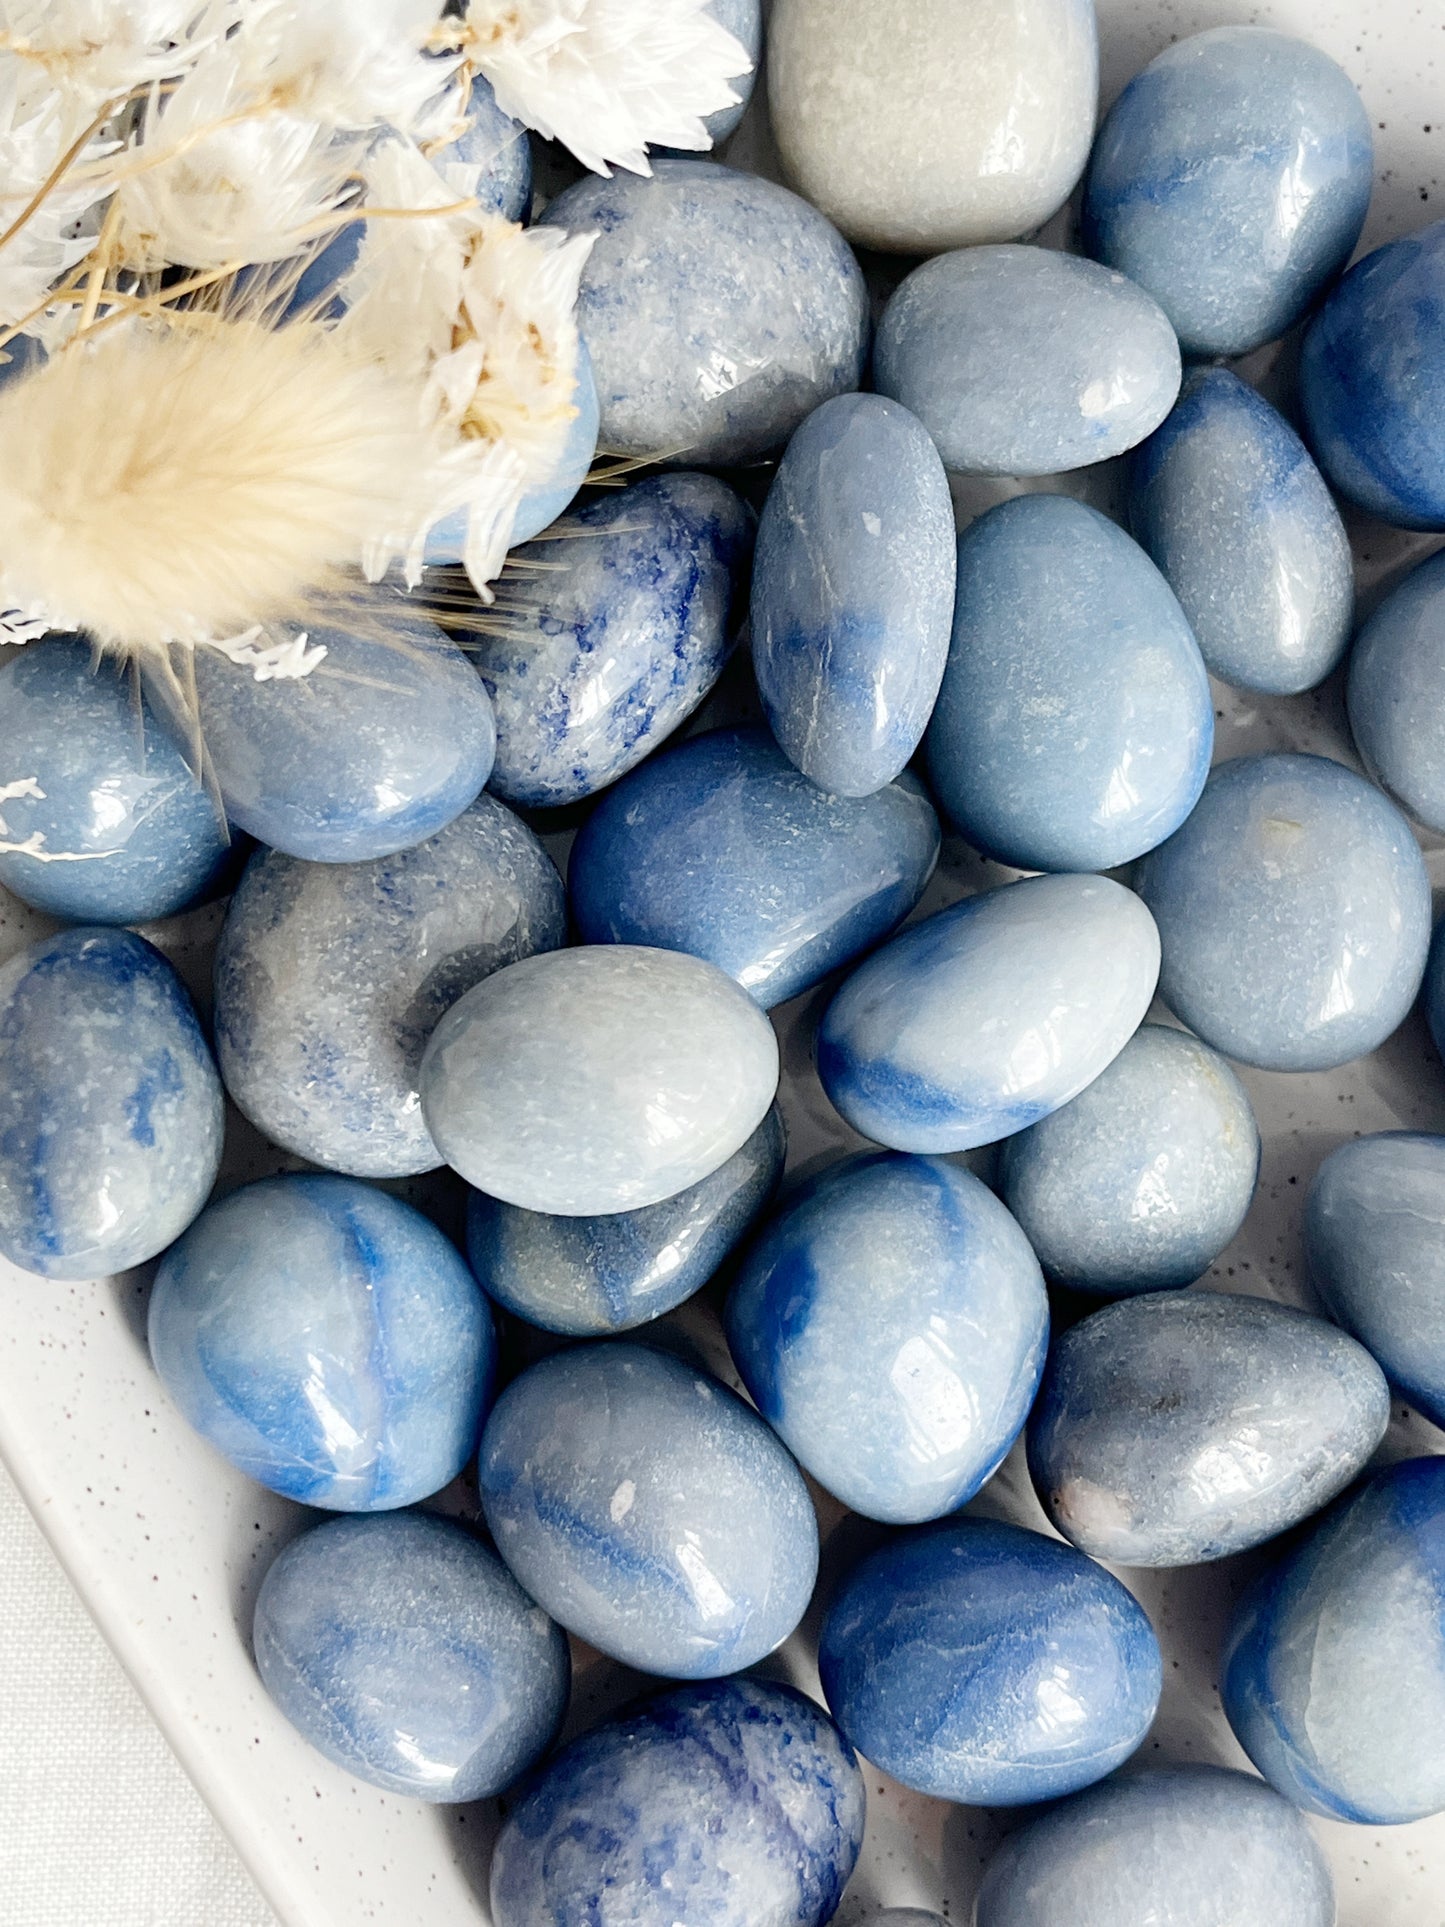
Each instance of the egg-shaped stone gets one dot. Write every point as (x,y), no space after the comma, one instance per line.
(737,1804)
(743,19)
(649,1510)
(1139,1182)
(985,1664)
(330,978)
(1227,501)
(328,1340)
(1294,912)
(890,1324)
(111,1114)
(1074,726)
(718,308)
(1396,693)
(721,848)
(404,1650)
(1022,361)
(982,1019)
(1231,180)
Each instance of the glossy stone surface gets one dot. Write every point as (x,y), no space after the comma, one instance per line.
(110,1106)
(737,1804)
(890,1324)
(1182,1426)
(1334,1668)
(117,792)
(330,978)
(744,21)
(1022,361)
(328,1340)
(589,1277)
(500,147)
(404,1650)
(989,1665)
(1227,501)
(719,310)
(981,1020)
(720,848)
(604,656)
(1395,692)
(649,1510)
(852,597)
(598,1079)
(1191,1847)
(1294,912)
(1142,1180)
(1231,180)
(1074,727)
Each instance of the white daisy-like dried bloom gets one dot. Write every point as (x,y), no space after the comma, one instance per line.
(346,63)
(39,126)
(94,51)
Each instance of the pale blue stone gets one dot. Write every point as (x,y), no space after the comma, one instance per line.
(719,847)
(1021,361)
(1227,501)
(890,1324)
(111,1113)
(1182,1426)
(649,1510)
(404,1650)
(744,21)
(1195,1846)
(1294,912)
(117,792)
(590,1277)
(327,1340)
(331,977)
(617,639)
(1141,1181)
(1231,180)
(719,310)
(1333,1671)
(985,1664)
(732,1805)
(853,593)
(905,1917)
(1074,726)
(981,1020)
(1397,674)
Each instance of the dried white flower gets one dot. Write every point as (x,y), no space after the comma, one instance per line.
(347,63)
(39,126)
(94,51)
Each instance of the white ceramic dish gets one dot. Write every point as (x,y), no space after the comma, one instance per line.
(167,1544)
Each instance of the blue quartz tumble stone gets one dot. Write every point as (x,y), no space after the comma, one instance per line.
(721,848)
(737,1804)
(1075,725)
(108,787)
(500,148)
(328,1340)
(1395,690)
(1231,179)
(981,1663)
(404,1650)
(890,1324)
(1333,1672)
(853,586)
(111,1113)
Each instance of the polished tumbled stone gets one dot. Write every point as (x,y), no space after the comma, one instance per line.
(1021,361)
(500,148)
(328,1340)
(1334,1668)
(718,308)
(744,21)
(989,1665)
(649,1510)
(721,848)
(853,585)
(736,1805)
(1074,727)
(1294,912)
(905,1917)
(330,978)
(111,1113)
(981,1020)
(890,1324)
(1227,501)
(1141,1180)
(1196,1846)
(1231,180)
(404,1650)
(1396,685)
(589,1277)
